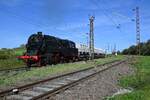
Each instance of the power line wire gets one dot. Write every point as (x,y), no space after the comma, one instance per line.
(104,10)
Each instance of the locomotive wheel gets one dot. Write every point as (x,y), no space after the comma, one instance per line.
(61,59)
(71,60)
(67,60)
(74,59)
(28,63)
(57,58)
(43,62)
(39,64)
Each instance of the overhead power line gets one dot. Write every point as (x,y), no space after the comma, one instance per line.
(107,14)
(96,3)
(120,15)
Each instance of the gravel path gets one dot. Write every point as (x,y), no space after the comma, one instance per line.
(98,87)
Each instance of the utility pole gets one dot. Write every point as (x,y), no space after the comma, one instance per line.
(138,30)
(91,39)
(108,47)
(87,38)
(112,49)
(115,48)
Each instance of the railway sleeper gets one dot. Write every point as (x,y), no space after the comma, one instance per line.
(31,93)
(51,86)
(18,97)
(42,89)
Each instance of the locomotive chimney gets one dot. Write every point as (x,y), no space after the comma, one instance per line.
(39,33)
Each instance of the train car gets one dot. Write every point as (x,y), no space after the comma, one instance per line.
(99,53)
(83,52)
(45,49)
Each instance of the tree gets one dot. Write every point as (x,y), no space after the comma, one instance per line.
(144,48)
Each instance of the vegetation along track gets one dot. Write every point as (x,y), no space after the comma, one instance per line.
(16,70)
(47,88)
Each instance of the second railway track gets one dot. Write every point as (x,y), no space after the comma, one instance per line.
(46,88)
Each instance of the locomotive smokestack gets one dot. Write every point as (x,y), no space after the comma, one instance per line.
(39,33)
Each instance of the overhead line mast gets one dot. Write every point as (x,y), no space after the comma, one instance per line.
(138,30)
(91,40)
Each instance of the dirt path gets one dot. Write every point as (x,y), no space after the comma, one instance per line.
(98,87)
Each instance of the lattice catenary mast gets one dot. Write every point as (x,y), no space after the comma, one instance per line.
(138,29)
(91,39)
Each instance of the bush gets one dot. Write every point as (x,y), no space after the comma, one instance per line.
(11,63)
(144,49)
(6,54)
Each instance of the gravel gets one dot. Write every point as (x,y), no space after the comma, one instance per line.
(99,87)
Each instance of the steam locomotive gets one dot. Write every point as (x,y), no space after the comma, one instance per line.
(44,49)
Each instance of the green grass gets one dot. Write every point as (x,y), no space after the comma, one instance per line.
(39,73)
(140,81)
(19,51)
(11,63)
(8,58)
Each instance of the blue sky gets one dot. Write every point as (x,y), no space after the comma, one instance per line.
(69,19)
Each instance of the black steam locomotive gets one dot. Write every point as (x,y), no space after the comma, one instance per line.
(44,49)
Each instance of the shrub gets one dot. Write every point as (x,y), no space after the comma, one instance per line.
(6,54)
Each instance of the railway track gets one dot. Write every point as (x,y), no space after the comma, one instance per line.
(46,88)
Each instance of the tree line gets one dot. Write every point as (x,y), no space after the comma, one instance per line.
(133,50)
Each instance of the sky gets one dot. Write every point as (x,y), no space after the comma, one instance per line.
(69,19)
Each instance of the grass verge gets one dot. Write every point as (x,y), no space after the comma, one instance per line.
(140,81)
(8,58)
(40,73)
(11,63)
